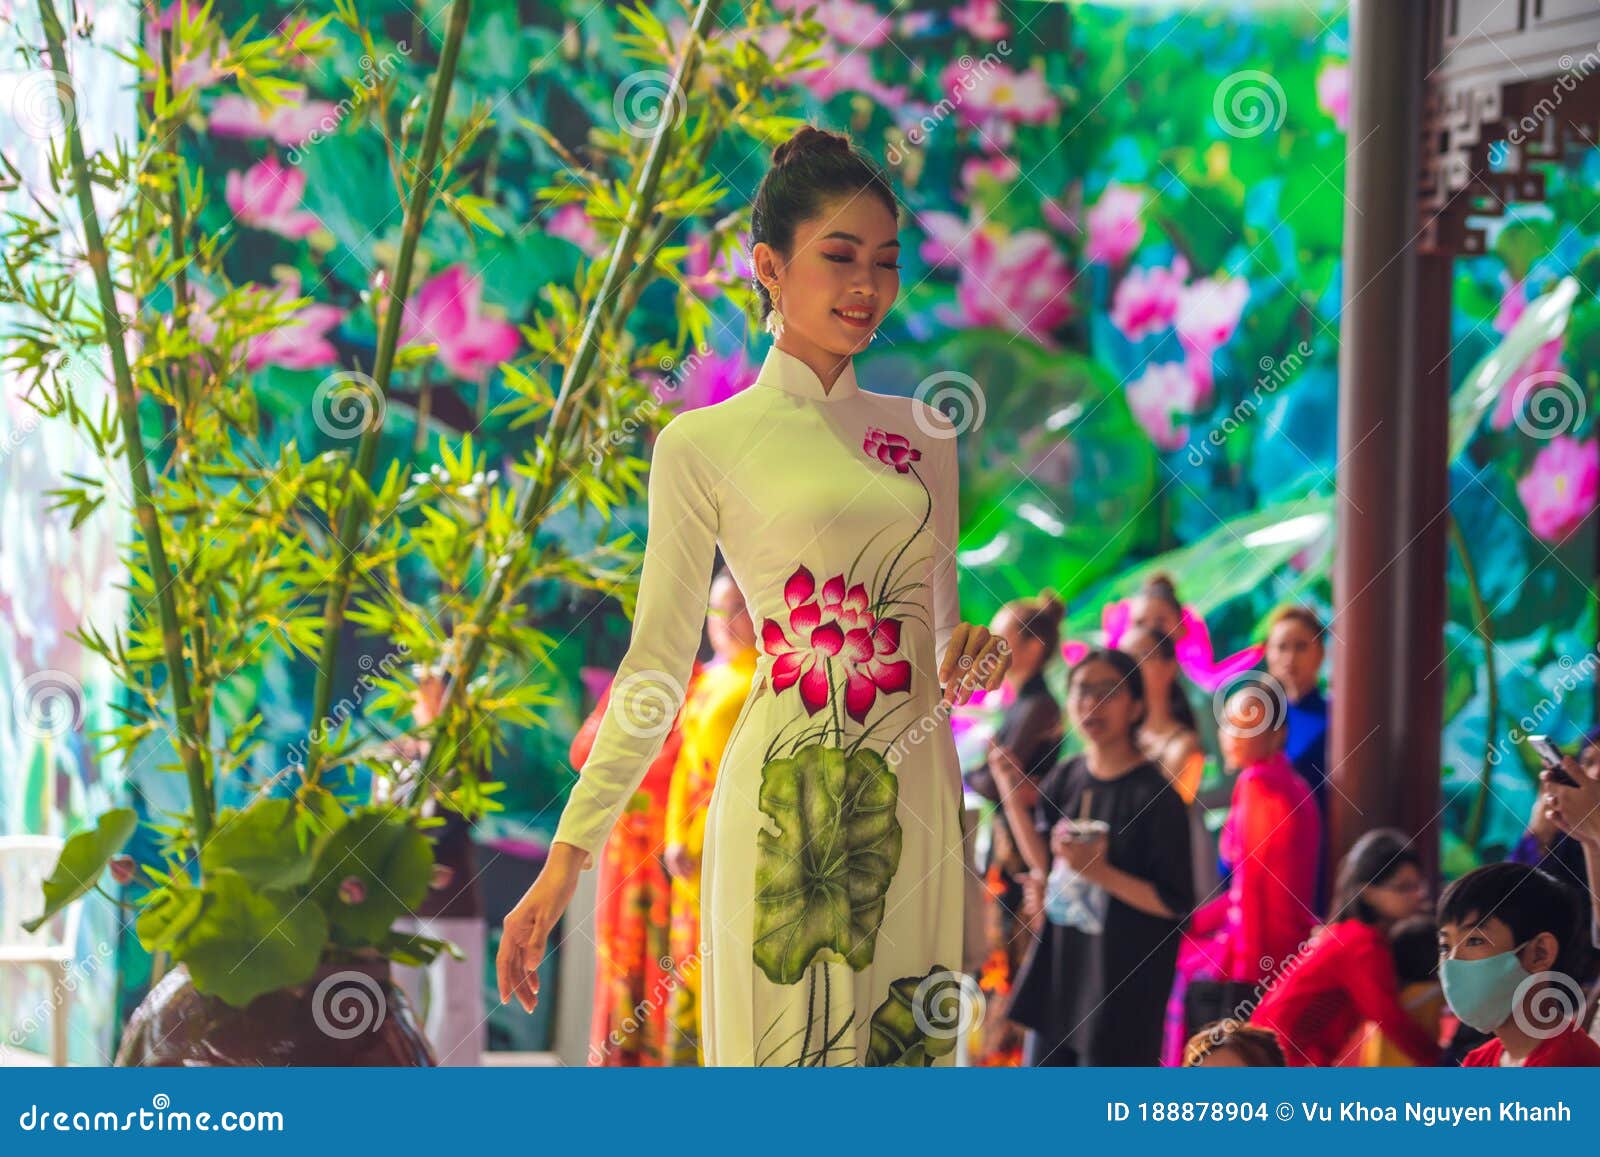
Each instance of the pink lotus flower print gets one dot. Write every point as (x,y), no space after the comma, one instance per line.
(1209,312)
(1116,225)
(1559,490)
(706,379)
(994,99)
(448,312)
(982,19)
(1163,394)
(296,343)
(1018,282)
(571,223)
(1146,300)
(267,196)
(1333,93)
(835,626)
(289,124)
(1542,366)
(894,449)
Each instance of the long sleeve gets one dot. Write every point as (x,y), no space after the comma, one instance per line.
(653,678)
(944,483)
(1370,980)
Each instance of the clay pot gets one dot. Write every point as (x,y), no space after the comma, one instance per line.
(346,1014)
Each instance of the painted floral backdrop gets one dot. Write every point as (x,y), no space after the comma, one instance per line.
(1122,279)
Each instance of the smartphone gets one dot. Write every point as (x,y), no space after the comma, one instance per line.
(1550,755)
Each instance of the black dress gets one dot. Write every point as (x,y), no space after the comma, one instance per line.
(1102,999)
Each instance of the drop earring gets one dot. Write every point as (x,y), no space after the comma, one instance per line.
(774,318)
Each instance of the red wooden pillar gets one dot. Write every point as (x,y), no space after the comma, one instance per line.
(1388,578)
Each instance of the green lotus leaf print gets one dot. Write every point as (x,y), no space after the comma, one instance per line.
(908,1029)
(821,880)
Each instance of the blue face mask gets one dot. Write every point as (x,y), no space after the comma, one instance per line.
(1482,992)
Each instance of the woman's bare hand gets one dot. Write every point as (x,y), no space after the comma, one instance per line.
(972,659)
(527,926)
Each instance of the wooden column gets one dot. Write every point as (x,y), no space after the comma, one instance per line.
(1388,579)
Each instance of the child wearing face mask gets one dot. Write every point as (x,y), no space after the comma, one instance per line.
(1506,933)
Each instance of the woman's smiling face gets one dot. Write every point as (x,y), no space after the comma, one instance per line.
(841,277)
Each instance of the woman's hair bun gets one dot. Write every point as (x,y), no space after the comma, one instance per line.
(810,141)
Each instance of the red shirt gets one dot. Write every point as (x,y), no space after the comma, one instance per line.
(1571,1049)
(1345,979)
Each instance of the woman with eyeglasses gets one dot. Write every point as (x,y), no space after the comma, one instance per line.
(1095,995)
(1317,1002)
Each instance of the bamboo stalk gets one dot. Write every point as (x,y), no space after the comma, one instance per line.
(536,497)
(189,740)
(351,515)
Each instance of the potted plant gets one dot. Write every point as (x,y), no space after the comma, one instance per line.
(279,912)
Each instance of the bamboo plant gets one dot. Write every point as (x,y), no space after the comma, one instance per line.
(245,544)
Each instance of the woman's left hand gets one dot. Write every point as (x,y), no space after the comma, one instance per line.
(973,658)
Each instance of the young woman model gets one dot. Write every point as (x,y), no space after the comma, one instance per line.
(832,873)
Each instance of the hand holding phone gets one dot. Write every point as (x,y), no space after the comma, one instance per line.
(1551,756)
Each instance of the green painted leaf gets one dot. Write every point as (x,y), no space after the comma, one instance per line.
(822,877)
(908,1027)
(390,857)
(168,913)
(248,941)
(82,859)
(1544,320)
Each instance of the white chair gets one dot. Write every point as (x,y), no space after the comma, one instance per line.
(25,863)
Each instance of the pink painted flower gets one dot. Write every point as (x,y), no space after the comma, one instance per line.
(1196,654)
(708,274)
(1209,312)
(705,379)
(999,168)
(1542,366)
(289,124)
(296,343)
(981,18)
(352,890)
(1559,490)
(1062,215)
(1014,281)
(123,869)
(1116,225)
(837,626)
(1165,393)
(447,311)
(1146,300)
(894,449)
(994,99)
(193,66)
(850,22)
(267,196)
(571,223)
(916,23)
(948,238)
(848,72)
(1333,93)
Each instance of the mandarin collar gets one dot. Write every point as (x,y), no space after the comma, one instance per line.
(783,371)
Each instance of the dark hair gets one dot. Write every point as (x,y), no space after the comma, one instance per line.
(1127,675)
(1177,699)
(1373,859)
(1160,587)
(1257,1046)
(1040,618)
(808,170)
(1414,943)
(1525,899)
(1299,613)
